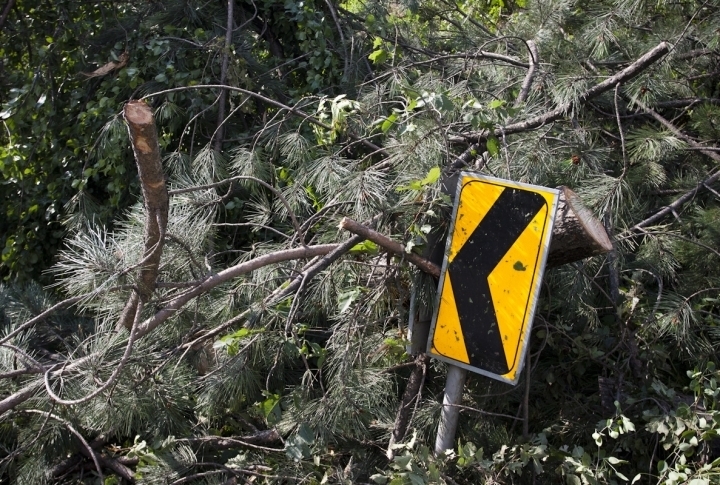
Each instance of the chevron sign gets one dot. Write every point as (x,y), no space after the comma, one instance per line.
(491,275)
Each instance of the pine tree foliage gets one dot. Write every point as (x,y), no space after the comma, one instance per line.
(300,114)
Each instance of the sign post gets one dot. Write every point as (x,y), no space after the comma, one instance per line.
(489,284)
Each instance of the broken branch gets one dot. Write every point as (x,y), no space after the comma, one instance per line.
(390,245)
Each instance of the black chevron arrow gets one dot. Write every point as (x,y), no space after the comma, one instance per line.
(502,225)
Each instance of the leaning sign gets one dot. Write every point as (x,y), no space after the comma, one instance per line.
(491,275)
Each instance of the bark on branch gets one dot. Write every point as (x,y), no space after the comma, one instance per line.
(390,245)
(144,139)
(226,275)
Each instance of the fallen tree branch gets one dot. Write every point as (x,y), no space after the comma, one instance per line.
(390,245)
(226,275)
(176,304)
(259,441)
(623,76)
(527,82)
(675,205)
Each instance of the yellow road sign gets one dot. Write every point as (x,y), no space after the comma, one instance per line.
(491,275)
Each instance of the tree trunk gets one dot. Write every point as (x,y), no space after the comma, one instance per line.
(577,233)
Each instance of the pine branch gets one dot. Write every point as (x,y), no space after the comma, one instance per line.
(687,196)
(527,82)
(113,377)
(298,228)
(282,291)
(144,328)
(226,275)
(677,132)
(623,76)
(77,434)
(39,318)
(675,205)
(312,270)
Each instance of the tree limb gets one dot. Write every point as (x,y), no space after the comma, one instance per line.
(226,275)
(679,202)
(390,245)
(527,82)
(626,74)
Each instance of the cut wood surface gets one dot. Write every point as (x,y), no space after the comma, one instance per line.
(144,140)
(577,233)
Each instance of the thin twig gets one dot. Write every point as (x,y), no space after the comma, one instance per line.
(272,102)
(79,436)
(113,376)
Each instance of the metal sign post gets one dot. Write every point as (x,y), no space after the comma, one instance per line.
(489,284)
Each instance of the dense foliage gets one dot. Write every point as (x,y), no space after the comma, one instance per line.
(277,119)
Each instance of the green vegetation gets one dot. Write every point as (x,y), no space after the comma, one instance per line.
(276,119)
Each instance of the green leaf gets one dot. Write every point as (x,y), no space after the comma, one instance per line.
(346,299)
(493,145)
(496,103)
(571,479)
(365,247)
(388,123)
(379,56)
(432,176)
